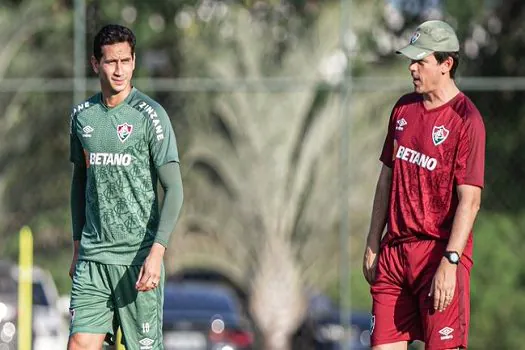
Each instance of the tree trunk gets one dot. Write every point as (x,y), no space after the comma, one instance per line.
(277,341)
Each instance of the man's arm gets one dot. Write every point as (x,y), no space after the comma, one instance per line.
(469,172)
(469,175)
(78,209)
(444,282)
(170,179)
(377,222)
(380,206)
(469,202)
(78,200)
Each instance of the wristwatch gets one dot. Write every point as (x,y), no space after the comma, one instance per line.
(452,257)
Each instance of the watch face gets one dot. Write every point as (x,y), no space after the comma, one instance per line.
(454,257)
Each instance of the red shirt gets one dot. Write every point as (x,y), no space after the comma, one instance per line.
(430,153)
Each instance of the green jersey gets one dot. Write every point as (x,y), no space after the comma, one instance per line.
(121,148)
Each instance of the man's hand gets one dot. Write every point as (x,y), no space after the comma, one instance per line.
(443,285)
(149,275)
(72,267)
(76,247)
(370,262)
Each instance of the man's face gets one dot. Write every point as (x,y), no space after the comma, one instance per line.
(427,74)
(115,68)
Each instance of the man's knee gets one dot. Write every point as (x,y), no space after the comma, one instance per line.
(85,341)
(401,345)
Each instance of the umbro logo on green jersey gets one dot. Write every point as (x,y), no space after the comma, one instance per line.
(146,343)
(87,130)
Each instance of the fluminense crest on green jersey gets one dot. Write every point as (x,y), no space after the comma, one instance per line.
(124,131)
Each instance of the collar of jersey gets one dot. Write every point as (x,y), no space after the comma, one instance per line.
(126,101)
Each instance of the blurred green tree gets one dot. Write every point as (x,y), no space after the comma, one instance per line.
(262,161)
(32,134)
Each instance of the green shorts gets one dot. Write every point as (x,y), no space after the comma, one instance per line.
(103,297)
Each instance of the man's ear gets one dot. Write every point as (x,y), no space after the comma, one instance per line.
(94,64)
(446,66)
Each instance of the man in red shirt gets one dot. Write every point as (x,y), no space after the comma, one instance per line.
(427,195)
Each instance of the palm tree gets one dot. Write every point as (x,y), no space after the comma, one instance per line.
(261,170)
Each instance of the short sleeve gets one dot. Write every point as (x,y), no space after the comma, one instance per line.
(161,139)
(76,154)
(470,160)
(387,155)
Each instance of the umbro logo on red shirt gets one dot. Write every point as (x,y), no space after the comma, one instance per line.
(401,123)
(446,333)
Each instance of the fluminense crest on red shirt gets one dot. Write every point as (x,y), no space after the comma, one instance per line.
(123,131)
(439,134)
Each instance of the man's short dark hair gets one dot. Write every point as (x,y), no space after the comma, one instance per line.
(112,34)
(442,56)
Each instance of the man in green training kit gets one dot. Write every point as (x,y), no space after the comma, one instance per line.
(122,143)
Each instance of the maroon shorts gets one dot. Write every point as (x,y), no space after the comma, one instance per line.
(402,309)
